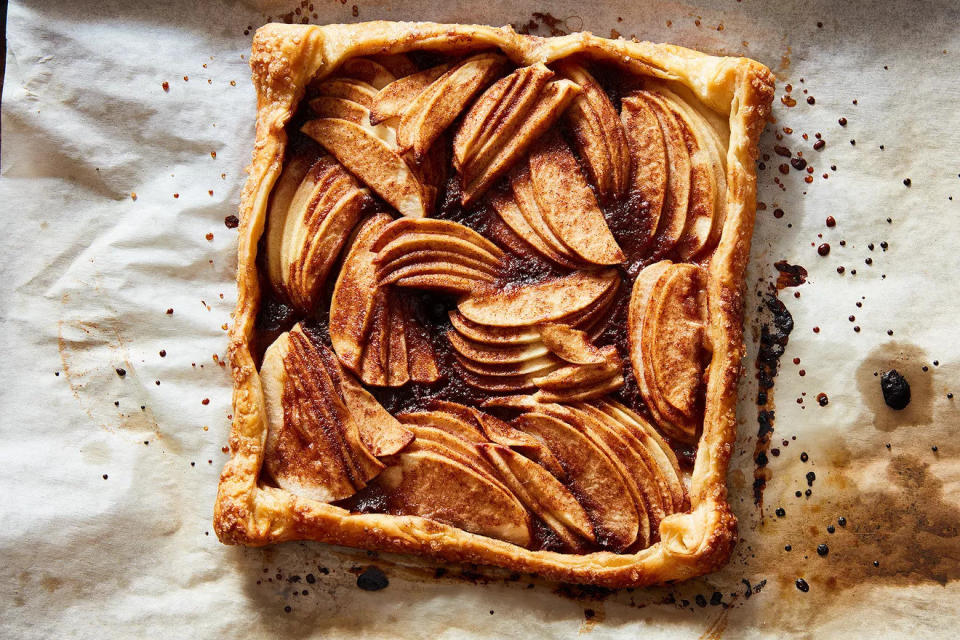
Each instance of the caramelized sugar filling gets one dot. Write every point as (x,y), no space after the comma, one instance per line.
(521,264)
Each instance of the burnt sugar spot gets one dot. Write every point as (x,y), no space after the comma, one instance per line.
(908,359)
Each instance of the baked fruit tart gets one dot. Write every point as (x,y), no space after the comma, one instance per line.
(490,298)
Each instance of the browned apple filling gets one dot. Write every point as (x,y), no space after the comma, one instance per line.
(484,296)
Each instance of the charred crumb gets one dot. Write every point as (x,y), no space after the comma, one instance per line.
(896,389)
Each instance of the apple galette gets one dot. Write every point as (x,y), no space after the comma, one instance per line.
(490,298)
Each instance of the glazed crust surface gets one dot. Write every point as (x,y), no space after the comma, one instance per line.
(285,58)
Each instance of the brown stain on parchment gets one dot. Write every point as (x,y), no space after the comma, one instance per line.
(717,627)
(899,512)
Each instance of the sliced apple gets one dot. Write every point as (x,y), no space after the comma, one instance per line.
(530,368)
(447,228)
(380,432)
(399,64)
(593,476)
(567,203)
(366,70)
(707,206)
(525,196)
(500,354)
(503,434)
(543,494)
(648,151)
(421,358)
(436,107)
(327,107)
(352,303)
(438,488)
(666,323)
(571,344)
(398,372)
(313,446)
(508,210)
(375,362)
(504,122)
(546,301)
(465,452)
(659,454)
(500,384)
(598,133)
(603,387)
(439,268)
(433,256)
(391,100)
(445,420)
(372,160)
(348,89)
(493,335)
(673,216)
(295,169)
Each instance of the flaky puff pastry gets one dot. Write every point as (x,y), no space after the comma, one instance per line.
(285,58)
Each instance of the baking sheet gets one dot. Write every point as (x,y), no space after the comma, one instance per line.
(111,478)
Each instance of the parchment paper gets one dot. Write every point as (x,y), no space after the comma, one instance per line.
(109,480)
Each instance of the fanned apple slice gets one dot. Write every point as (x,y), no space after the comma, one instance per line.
(648,151)
(508,210)
(666,321)
(372,160)
(524,195)
(658,452)
(581,394)
(391,100)
(567,203)
(573,345)
(404,226)
(503,434)
(438,488)
(380,432)
(436,107)
(707,207)
(438,268)
(594,477)
(433,256)
(598,133)
(529,368)
(580,376)
(503,123)
(502,103)
(447,421)
(348,89)
(500,354)
(493,335)
(375,362)
(399,64)
(327,107)
(352,303)
(501,384)
(546,301)
(421,358)
(673,215)
(313,446)
(366,70)
(543,494)
(398,372)
(295,169)
(465,451)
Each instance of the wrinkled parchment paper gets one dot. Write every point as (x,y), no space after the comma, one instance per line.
(110,479)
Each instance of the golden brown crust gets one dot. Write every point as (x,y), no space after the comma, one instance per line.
(284,59)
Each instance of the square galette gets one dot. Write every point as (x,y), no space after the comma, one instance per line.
(490,298)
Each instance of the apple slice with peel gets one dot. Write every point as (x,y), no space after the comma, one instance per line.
(436,107)
(571,344)
(707,207)
(657,453)
(421,358)
(392,99)
(581,394)
(327,107)
(508,210)
(567,203)
(543,494)
(445,421)
(502,384)
(313,446)
(593,476)
(398,372)
(465,451)
(524,195)
(438,488)
(579,376)
(372,160)
(439,268)
(500,354)
(366,70)
(598,133)
(673,215)
(648,151)
(531,368)
(493,335)
(352,303)
(546,301)
(375,362)
(433,256)
(503,434)
(666,325)
(405,226)
(353,90)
